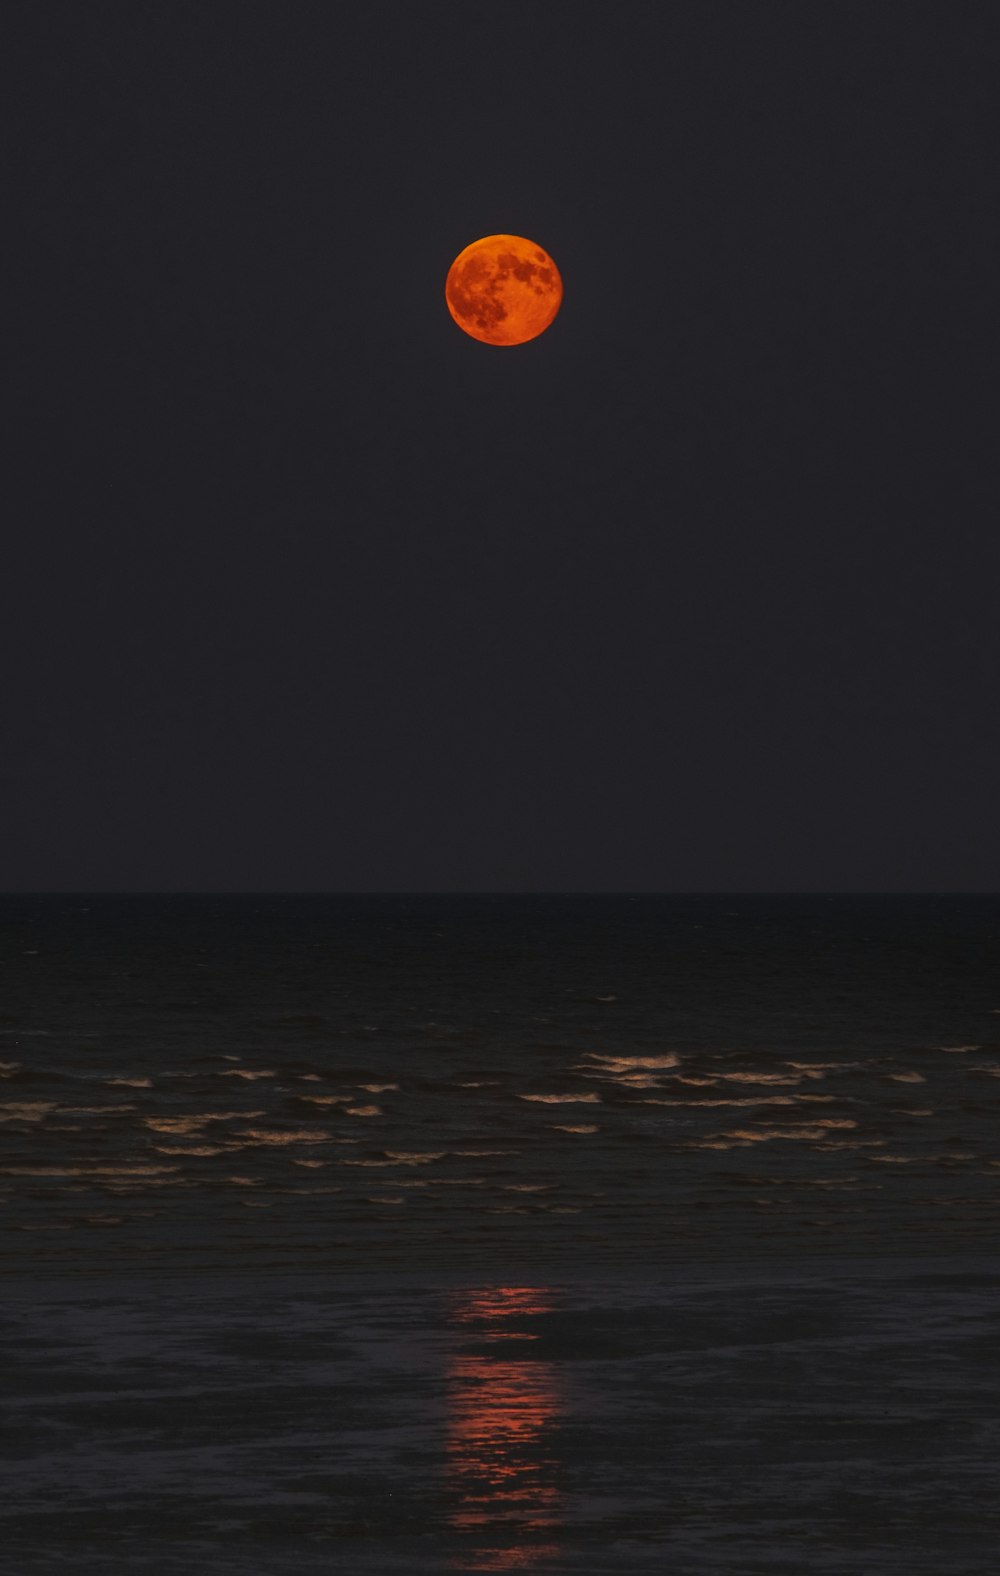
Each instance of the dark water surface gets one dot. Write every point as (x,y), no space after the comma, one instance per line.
(836,1417)
(500,1233)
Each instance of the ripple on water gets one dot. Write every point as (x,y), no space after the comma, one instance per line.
(576,1098)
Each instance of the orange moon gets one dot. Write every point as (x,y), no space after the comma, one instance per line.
(503,290)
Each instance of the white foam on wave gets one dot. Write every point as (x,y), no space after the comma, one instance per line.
(195,1120)
(765,1078)
(562,1099)
(635,1063)
(267,1136)
(750,1100)
(766,1135)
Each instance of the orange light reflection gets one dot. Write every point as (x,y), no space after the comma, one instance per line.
(500,1414)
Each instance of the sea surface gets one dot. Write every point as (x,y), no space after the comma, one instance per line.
(491,1233)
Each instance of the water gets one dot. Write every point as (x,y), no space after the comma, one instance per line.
(552,1233)
(365,1083)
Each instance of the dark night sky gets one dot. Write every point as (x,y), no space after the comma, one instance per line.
(303,588)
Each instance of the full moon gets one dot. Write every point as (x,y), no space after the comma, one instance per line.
(503,290)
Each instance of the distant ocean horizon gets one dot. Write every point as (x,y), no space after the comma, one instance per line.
(400,1080)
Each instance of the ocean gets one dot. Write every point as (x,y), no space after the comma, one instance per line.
(581,1233)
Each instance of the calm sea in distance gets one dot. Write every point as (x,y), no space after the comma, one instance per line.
(383,1081)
